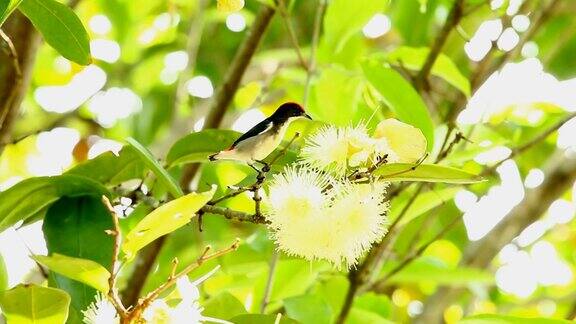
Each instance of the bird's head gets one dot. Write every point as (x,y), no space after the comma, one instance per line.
(289,111)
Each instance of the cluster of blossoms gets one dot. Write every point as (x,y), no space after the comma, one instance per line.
(188,310)
(317,212)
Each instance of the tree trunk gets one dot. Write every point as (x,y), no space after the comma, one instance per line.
(12,85)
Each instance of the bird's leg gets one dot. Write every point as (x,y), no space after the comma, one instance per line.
(266,166)
(254,167)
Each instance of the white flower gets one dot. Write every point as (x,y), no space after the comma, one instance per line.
(359,213)
(100,311)
(327,149)
(336,225)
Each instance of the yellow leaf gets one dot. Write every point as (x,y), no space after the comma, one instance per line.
(230,5)
(86,271)
(405,140)
(163,220)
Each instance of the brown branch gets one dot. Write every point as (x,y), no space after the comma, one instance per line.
(290,28)
(456,13)
(22,43)
(239,64)
(233,214)
(115,233)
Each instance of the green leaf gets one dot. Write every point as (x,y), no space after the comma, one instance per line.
(6,8)
(75,227)
(413,58)
(3,274)
(379,304)
(196,147)
(335,96)
(60,27)
(27,304)
(361,316)
(111,169)
(158,170)
(42,192)
(86,271)
(427,269)
(425,173)
(163,220)
(423,203)
(262,319)
(308,309)
(344,18)
(505,319)
(400,97)
(223,306)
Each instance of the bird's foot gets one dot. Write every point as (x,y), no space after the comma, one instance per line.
(265,166)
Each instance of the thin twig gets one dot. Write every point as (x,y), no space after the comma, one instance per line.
(313,47)
(531,143)
(269,281)
(293,38)
(115,233)
(205,256)
(195,32)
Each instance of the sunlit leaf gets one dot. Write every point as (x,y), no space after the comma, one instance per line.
(425,173)
(262,319)
(308,309)
(505,319)
(86,271)
(414,58)
(335,96)
(400,97)
(60,27)
(42,191)
(31,304)
(158,170)
(405,140)
(3,274)
(111,169)
(359,316)
(430,270)
(423,203)
(163,220)
(76,227)
(6,8)
(196,147)
(230,5)
(344,18)
(223,306)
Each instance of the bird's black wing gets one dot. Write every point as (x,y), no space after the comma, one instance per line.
(258,129)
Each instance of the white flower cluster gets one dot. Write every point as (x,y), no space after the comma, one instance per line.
(316,212)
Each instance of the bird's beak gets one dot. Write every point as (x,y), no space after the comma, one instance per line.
(308,116)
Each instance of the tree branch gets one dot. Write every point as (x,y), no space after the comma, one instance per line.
(115,233)
(454,17)
(293,39)
(23,41)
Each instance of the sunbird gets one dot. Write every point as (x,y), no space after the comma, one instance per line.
(261,140)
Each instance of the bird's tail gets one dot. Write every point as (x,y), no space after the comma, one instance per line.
(222,155)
